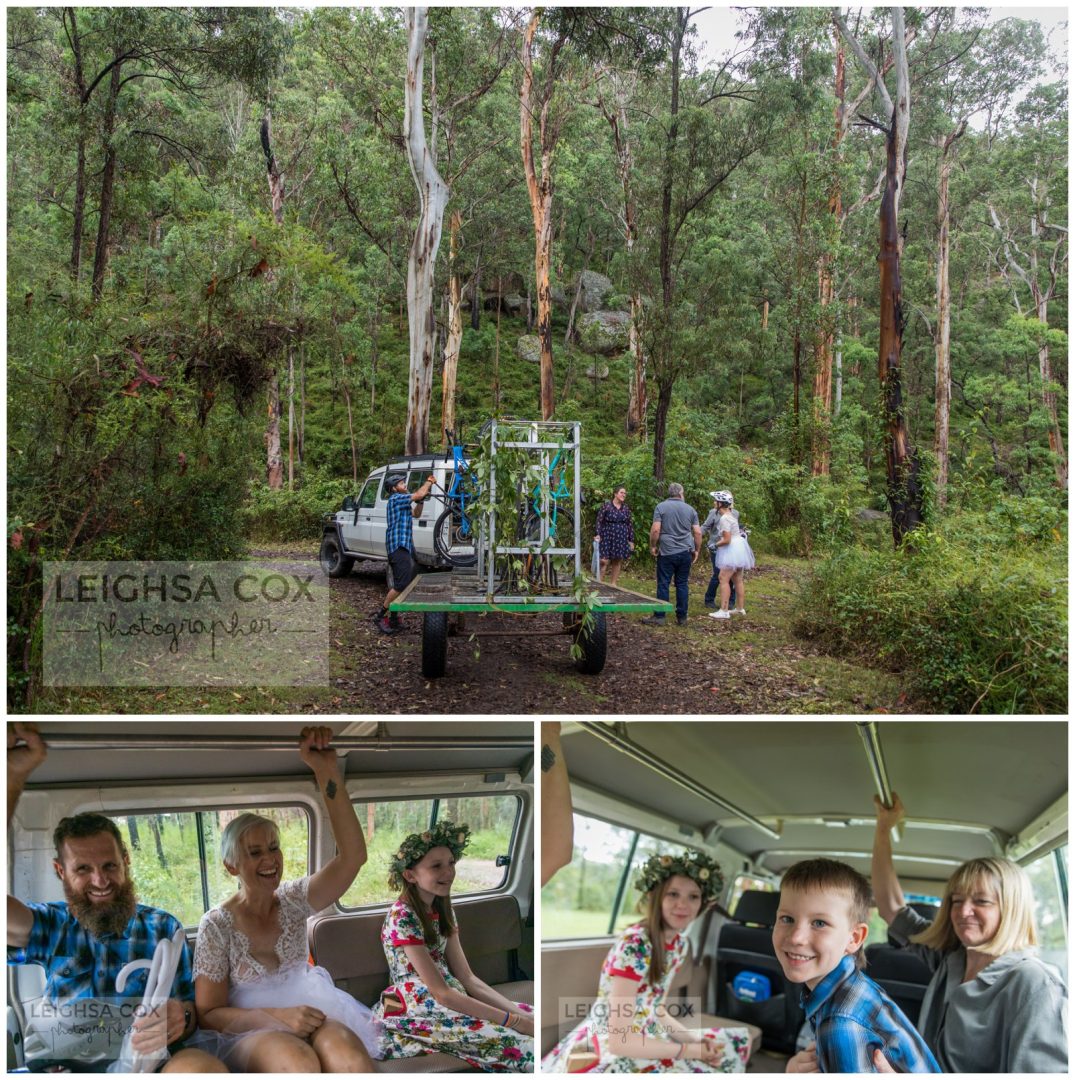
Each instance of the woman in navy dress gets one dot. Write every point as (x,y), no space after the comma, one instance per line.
(616,532)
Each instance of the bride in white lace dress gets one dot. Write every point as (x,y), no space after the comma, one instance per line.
(271,1011)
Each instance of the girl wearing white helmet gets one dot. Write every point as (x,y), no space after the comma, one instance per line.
(732,555)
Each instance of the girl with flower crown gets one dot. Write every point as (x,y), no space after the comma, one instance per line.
(435,1001)
(628,1029)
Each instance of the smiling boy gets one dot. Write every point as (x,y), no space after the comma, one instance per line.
(821,927)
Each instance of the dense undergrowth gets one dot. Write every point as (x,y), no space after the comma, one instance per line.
(972,611)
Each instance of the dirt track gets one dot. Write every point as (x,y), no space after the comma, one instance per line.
(739,666)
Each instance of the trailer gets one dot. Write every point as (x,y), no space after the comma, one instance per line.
(445,601)
(535,569)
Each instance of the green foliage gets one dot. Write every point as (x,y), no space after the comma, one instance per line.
(269,515)
(973,611)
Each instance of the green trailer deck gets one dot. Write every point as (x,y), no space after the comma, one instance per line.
(449,597)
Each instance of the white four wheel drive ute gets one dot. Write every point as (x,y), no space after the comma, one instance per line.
(358,530)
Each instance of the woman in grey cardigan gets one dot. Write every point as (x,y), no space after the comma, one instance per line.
(992,1005)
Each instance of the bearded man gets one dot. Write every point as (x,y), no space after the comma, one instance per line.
(84,941)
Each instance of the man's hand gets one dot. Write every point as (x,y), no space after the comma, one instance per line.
(888,817)
(301,1020)
(159,1028)
(25,750)
(805,1061)
(694,557)
(315,751)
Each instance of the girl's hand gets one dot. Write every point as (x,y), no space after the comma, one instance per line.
(315,751)
(711,1054)
(301,1020)
(524,1025)
(888,817)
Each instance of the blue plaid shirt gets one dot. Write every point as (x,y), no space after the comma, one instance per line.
(400,532)
(79,964)
(851,1017)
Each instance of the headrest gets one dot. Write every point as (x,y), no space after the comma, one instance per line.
(757,907)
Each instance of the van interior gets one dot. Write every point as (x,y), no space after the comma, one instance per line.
(172,785)
(761,795)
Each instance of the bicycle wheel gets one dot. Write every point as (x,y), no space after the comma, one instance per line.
(543,569)
(454,539)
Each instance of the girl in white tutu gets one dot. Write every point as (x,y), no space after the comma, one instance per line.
(731,557)
(271,1011)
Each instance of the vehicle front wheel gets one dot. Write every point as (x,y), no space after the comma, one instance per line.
(332,559)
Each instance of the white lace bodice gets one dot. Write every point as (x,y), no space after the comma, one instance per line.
(222,952)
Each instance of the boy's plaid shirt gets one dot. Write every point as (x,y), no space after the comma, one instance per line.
(851,1017)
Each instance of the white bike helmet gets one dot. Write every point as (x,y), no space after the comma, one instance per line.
(722,497)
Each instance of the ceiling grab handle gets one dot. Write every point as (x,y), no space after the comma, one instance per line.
(876,757)
(616,737)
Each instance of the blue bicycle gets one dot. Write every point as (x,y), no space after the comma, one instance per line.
(454,535)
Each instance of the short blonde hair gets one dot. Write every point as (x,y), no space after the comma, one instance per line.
(1015,900)
(233,833)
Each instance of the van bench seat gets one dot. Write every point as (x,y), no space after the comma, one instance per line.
(349,948)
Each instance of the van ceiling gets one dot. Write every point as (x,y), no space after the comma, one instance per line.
(990,774)
(103,763)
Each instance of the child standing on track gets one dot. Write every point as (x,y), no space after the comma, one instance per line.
(435,1001)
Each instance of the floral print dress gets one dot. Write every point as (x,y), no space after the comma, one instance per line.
(421,1026)
(616,528)
(630,959)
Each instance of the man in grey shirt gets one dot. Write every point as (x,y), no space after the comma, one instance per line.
(676,539)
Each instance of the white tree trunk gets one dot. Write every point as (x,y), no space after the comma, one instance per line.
(455,330)
(433,195)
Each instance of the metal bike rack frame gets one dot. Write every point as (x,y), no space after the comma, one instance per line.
(542,439)
(670,772)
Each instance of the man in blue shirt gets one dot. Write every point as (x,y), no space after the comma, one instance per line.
(399,543)
(821,927)
(84,941)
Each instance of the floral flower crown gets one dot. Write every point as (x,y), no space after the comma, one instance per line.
(443,834)
(696,865)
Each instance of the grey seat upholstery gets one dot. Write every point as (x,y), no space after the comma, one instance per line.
(348,946)
(745,944)
(900,972)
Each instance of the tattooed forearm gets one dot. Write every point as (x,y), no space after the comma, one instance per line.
(548,758)
(330,790)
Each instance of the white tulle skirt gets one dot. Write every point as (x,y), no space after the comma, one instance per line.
(735,555)
(311,986)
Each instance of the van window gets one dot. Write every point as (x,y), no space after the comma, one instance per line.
(492,820)
(1048,880)
(175,857)
(595,895)
(742,883)
(368,497)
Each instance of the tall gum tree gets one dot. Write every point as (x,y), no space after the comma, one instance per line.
(903,488)
(433,197)
(1033,246)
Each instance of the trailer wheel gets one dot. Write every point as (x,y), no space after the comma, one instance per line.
(434,643)
(594,644)
(333,561)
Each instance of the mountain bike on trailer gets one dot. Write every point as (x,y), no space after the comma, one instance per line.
(535,568)
(455,534)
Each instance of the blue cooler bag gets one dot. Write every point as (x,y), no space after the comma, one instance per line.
(750,986)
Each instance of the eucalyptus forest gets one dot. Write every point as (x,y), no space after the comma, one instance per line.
(254,252)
